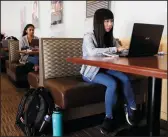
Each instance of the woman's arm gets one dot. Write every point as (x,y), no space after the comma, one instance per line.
(22,45)
(92,50)
(118,44)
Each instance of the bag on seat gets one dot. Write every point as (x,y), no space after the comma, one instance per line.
(34,106)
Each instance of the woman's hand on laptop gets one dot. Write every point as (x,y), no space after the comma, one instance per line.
(120,49)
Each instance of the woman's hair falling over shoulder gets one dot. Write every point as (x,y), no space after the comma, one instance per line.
(99,30)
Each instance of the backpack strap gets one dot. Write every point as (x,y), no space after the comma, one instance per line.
(30,131)
(22,104)
(47,97)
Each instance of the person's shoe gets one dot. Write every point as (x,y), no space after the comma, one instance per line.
(108,125)
(130,115)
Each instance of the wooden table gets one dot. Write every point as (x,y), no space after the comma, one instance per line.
(28,52)
(154,67)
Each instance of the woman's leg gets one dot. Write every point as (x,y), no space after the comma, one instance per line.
(130,106)
(110,99)
(34,60)
(127,87)
(110,95)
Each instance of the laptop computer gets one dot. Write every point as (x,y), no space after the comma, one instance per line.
(35,42)
(145,40)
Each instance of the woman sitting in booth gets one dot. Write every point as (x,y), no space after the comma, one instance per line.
(25,44)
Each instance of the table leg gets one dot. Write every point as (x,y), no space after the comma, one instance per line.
(153,116)
(154,106)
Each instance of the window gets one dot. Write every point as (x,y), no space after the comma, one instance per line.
(92,6)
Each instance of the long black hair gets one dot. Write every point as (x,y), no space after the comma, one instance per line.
(26,27)
(104,39)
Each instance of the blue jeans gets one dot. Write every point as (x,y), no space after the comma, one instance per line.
(33,59)
(108,79)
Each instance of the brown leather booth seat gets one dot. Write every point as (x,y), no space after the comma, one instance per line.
(15,70)
(33,79)
(71,92)
(14,66)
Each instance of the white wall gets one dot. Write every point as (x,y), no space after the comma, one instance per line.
(74,18)
(10,17)
(129,12)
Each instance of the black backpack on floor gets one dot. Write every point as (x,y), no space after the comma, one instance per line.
(34,106)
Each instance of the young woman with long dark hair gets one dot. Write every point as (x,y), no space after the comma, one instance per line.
(95,43)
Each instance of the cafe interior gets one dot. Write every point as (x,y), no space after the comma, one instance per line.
(45,47)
